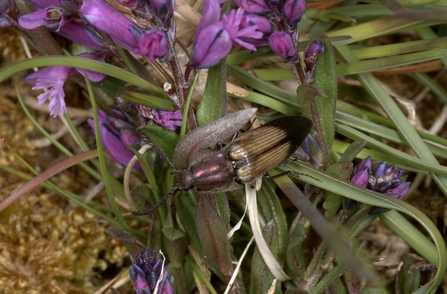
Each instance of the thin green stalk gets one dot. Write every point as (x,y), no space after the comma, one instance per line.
(187,103)
(53,141)
(106,178)
(75,132)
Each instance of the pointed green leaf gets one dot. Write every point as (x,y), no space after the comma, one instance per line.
(214,101)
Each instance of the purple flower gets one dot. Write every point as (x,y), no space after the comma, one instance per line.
(232,23)
(152,43)
(382,178)
(104,17)
(52,17)
(310,59)
(170,120)
(148,274)
(210,15)
(281,43)
(293,10)
(259,7)
(263,25)
(214,37)
(159,12)
(164,9)
(57,17)
(312,149)
(311,54)
(54,77)
(213,44)
(116,134)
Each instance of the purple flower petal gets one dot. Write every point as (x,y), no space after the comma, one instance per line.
(367,162)
(293,10)
(33,20)
(164,9)
(107,19)
(153,44)
(213,44)
(361,178)
(52,78)
(402,189)
(82,35)
(311,53)
(232,23)
(281,43)
(379,170)
(210,15)
(258,7)
(112,143)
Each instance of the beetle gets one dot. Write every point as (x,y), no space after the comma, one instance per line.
(247,158)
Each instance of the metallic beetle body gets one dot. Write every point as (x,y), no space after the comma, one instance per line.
(246,158)
(213,173)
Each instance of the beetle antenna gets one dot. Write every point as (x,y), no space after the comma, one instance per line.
(174,190)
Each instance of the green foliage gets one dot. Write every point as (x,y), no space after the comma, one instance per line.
(313,237)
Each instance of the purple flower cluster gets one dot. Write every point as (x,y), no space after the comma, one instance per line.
(250,26)
(62,18)
(120,130)
(96,24)
(380,177)
(148,274)
(84,23)
(148,29)
(170,120)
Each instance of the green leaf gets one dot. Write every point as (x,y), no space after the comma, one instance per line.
(213,235)
(270,208)
(142,197)
(164,140)
(332,203)
(295,260)
(390,62)
(353,150)
(325,80)
(260,278)
(436,254)
(172,234)
(147,100)
(185,210)
(214,101)
(78,62)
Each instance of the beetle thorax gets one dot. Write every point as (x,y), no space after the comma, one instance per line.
(184,179)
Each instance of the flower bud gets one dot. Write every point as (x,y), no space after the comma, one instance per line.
(281,43)
(293,10)
(152,43)
(212,45)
